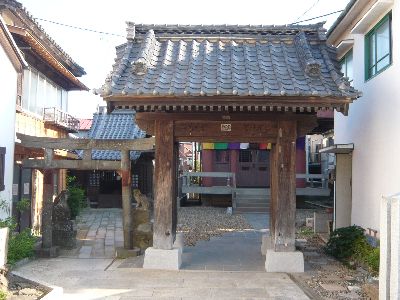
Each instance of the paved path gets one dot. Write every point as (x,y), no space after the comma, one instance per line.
(233,251)
(99,233)
(97,279)
(210,269)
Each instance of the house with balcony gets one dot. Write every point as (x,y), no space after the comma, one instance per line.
(41,107)
(367,36)
(12,66)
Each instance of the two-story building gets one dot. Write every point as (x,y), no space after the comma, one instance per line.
(12,65)
(367,37)
(41,103)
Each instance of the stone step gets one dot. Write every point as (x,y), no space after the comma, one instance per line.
(251,191)
(252,204)
(252,200)
(251,210)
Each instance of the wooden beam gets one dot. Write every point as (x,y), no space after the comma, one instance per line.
(72,164)
(164,178)
(47,206)
(126,199)
(283,188)
(85,144)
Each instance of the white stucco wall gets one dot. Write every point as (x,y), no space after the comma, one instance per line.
(8,82)
(373,125)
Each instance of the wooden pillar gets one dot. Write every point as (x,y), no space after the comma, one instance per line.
(283,188)
(126,198)
(47,208)
(164,186)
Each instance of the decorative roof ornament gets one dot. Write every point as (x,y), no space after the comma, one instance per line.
(311,66)
(140,65)
(130,31)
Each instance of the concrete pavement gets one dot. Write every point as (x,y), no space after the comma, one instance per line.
(101,279)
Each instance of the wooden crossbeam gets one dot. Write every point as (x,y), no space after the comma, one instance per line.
(72,164)
(85,144)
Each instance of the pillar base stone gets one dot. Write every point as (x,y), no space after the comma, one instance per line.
(287,262)
(50,252)
(266,243)
(179,241)
(162,259)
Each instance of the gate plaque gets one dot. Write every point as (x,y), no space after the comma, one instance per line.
(226,127)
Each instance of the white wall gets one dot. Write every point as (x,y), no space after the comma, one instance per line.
(8,81)
(373,125)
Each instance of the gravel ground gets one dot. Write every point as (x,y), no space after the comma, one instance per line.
(19,288)
(201,223)
(327,278)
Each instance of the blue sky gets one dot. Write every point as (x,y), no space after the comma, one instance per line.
(95,52)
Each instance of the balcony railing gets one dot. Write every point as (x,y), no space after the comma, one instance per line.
(59,118)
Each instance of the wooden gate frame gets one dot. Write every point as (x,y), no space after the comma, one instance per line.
(48,164)
(279,129)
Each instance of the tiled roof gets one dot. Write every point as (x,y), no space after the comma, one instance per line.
(85,124)
(34,27)
(120,124)
(182,61)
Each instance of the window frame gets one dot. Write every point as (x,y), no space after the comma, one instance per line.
(344,60)
(2,168)
(367,47)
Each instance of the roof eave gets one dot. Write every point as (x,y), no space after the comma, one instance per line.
(233,103)
(37,46)
(30,22)
(18,61)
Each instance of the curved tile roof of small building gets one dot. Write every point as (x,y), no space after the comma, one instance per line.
(120,124)
(189,60)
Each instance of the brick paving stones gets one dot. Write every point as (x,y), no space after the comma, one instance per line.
(99,233)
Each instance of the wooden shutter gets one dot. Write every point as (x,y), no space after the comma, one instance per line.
(2,167)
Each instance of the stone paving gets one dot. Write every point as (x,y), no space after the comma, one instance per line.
(233,251)
(99,233)
(103,279)
(228,267)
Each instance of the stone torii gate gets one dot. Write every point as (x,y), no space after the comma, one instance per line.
(49,164)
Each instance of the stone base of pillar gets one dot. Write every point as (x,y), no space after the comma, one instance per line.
(179,241)
(162,259)
(47,252)
(266,243)
(121,252)
(287,262)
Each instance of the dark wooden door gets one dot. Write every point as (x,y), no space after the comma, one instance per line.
(221,164)
(253,168)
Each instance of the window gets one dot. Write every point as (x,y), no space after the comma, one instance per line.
(378,47)
(245,156)
(2,167)
(39,92)
(346,64)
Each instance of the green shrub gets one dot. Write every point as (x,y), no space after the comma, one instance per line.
(3,295)
(20,245)
(342,241)
(349,244)
(76,197)
(372,260)
(366,255)
(8,222)
(23,205)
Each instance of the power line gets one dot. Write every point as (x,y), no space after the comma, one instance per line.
(315,3)
(80,28)
(335,12)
